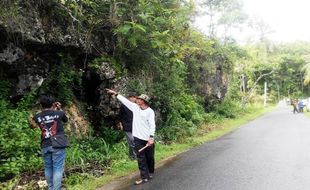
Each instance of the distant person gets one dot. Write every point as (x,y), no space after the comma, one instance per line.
(300,106)
(126,118)
(143,129)
(294,104)
(53,140)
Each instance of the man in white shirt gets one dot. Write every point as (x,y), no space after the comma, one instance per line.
(143,129)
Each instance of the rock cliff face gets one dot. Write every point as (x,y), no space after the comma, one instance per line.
(214,87)
(210,80)
(34,35)
(31,41)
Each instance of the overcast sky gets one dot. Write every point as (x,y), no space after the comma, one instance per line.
(288,19)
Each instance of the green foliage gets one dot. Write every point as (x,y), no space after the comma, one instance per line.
(228,109)
(138,85)
(260,63)
(151,33)
(19,145)
(233,91)
(61,81)
(4,89)
(28,100)
(83,152)
(182,119)
(151,37)
(91,157)
(206,59)
(76,178)
(291,75)
(117,67)
(109,135)
(158,43)
(10,12)
(9,184)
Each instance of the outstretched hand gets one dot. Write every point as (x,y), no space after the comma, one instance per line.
(111,92)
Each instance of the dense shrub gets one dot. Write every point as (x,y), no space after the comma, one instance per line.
(109,135)
(90,156)
(19,145)
(4,89)
(183,118)
(61,81)
(82,152)
(228,109)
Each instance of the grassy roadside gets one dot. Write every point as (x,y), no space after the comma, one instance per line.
(307,113)
(206,132)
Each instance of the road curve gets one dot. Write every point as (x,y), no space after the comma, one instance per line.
(269,153)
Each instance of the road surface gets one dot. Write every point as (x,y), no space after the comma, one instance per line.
(269,153)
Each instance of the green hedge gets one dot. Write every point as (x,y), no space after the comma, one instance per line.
(19,144)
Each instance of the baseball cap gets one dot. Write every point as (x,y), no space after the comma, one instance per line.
(144,97)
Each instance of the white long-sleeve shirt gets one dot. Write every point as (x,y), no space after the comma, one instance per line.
(143,123)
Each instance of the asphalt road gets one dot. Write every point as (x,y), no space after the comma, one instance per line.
(269,153)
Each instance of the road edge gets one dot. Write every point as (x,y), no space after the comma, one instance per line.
(128,180)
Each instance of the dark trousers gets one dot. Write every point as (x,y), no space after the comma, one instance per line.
(295,109)
(146,161)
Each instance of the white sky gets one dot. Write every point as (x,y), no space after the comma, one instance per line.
(288,19)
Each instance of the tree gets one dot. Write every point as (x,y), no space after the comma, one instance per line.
(223,16)
(252,68)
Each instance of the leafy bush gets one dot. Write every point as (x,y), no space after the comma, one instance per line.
(28,101)
(61,81)
(117,67)
(82,152)
(228,109)
(183,119)
(109,135)
(91,157)
(4,89)
(76,178)
(177,132)
(19,145)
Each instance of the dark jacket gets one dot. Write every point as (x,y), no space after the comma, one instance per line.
(126,117)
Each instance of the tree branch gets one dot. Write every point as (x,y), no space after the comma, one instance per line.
(255,84)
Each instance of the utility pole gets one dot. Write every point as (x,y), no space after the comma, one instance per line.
(278,92)
(265,95)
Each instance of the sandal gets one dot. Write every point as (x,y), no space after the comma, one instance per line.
(140,181)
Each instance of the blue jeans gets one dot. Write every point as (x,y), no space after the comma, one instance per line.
(54,161)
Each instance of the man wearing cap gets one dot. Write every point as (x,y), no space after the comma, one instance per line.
(143,129)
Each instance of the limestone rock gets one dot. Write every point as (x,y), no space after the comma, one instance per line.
(105,71)
(11,54)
